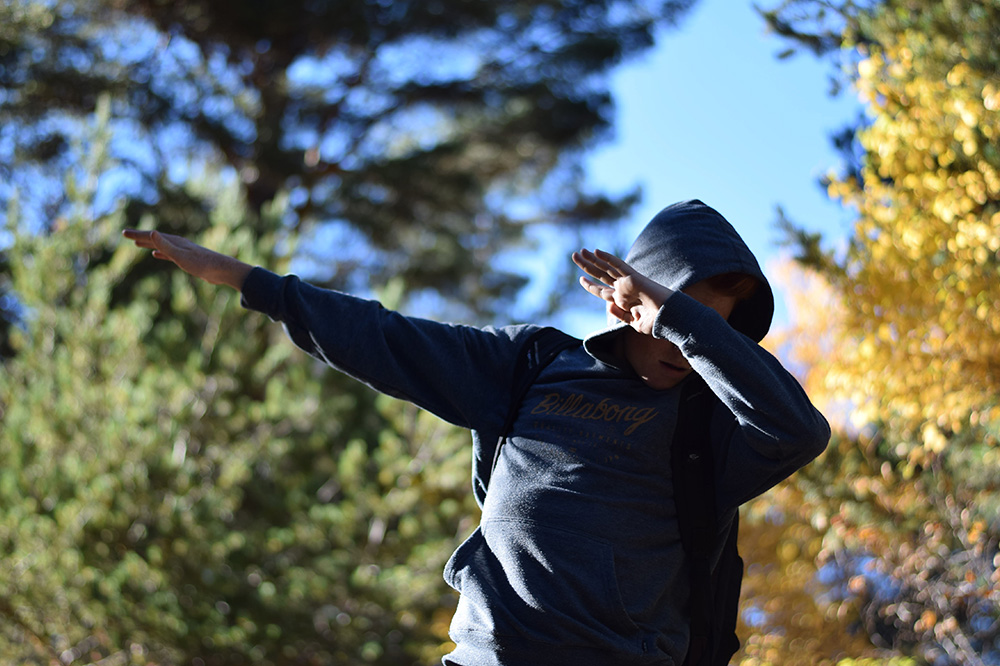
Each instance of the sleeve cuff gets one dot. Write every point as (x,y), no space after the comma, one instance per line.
(259,291)
(679,317)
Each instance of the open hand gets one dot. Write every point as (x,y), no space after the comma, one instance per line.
(192,258)
(630,296)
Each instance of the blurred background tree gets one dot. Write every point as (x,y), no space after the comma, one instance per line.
(896,528)
(180,485)
(418,139)
(184,488)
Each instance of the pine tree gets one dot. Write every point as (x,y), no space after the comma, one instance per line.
(412,140)
(180,485)
(183,486)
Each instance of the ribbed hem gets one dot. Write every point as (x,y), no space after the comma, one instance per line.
(483,649)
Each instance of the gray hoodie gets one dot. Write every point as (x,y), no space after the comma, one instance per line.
(578,559)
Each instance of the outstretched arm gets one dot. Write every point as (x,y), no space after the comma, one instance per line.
(192,258)
(459,373)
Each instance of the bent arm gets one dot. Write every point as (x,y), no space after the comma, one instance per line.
(456,372)
(772,428)
(768,428)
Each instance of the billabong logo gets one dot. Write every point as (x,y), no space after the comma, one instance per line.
(575,406)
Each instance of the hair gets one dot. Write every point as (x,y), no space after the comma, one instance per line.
(737,285)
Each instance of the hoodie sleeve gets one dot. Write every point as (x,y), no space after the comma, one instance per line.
(456,372)
(772,428)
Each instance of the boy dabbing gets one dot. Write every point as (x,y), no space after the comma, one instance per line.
(578,558)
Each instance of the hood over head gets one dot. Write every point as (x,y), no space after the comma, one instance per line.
(686,243)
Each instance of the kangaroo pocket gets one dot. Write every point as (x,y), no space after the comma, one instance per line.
(521,579)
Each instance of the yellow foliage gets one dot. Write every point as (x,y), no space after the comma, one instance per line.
(908,336)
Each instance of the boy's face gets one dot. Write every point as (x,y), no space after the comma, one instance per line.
(659,363)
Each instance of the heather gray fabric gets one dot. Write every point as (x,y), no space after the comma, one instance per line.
(577,558)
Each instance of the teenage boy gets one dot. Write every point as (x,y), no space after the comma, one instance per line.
(578,558)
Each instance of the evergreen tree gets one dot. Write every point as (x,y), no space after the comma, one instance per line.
(413,139)
(184,487)
(180,485)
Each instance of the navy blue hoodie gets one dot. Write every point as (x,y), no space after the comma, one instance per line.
(578,559)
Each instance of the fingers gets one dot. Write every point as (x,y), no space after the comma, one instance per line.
(602,265)
(611,260)
(597,266)
(597,289)
(163,247)
(152,240)
(145,239)
(141,238)
(614,307)
(619,313)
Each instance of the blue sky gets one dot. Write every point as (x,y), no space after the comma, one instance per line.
(711,113)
